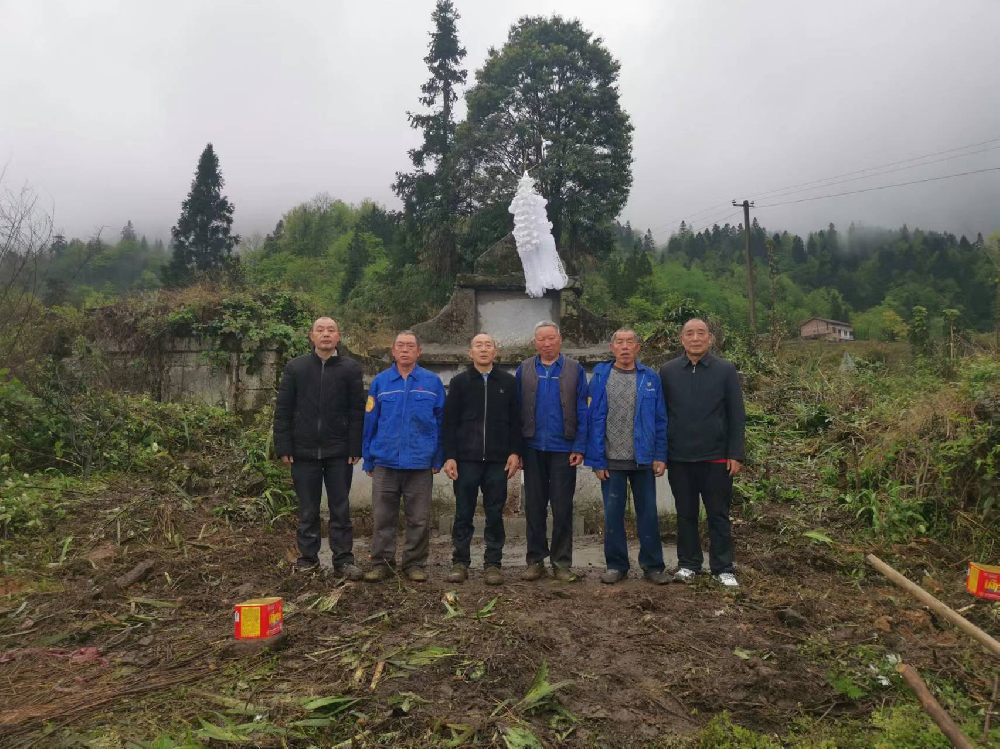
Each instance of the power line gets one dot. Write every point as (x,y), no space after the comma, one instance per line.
(882,187)
(882,166)
(772,193)
(790,191)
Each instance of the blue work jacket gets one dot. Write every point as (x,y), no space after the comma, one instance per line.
(650,431)
(549,429)
(403,420)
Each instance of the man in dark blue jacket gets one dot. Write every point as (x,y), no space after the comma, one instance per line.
(553,391)
(482,449)
(627,444)
(402,451)
(317,432)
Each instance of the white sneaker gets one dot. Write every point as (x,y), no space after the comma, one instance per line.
(726,580)
(684,575)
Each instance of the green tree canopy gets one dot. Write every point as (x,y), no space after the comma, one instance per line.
(548,102)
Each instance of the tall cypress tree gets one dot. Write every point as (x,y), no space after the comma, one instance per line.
(429,192)
(201,240)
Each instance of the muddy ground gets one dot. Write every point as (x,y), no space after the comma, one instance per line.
(83,664)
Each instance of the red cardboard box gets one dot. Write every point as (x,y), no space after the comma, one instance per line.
(258,618)
(984,581)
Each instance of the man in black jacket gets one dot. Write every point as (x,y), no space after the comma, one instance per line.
(318,419)
(481,433)
(705,427)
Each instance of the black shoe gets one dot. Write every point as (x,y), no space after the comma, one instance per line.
(610,577)
(657,577)
(305,565)
(349,572)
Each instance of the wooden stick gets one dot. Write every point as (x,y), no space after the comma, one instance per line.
(935,605)
(933,708)
(989,710)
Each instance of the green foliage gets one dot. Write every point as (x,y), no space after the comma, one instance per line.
(249,323)
(552,82)
(202,239)
(722,733)
(907,725)
(29,504)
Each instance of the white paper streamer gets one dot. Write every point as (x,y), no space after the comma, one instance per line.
(543,268)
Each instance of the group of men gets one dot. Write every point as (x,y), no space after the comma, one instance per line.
(629,424)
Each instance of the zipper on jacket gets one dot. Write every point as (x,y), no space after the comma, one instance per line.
(485,400)
(319,412)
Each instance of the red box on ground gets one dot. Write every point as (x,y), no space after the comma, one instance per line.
(258,618)
(984,581)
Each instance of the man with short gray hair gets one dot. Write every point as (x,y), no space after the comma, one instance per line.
(553,391)
(627,445)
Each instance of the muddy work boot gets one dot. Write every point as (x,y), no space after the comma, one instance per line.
(349,572)
(493,576)
(459,574)
(657,577)
(378,574)
(416,574)
(564,574)
(611,577)
(305,565)
(534,572)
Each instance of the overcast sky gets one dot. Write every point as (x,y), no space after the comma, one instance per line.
(105,106)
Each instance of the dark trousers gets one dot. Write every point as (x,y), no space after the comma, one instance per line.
(492,479)
(615,494)
(712,482)
(308,477)
(414,486)
(549,479)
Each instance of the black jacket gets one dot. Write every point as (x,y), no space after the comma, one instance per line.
(320,409)
(482,423)
(705,415)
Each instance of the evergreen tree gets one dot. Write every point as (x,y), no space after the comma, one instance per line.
(128,233)
(430,192)
(648,245)
(58,246)
(201,239)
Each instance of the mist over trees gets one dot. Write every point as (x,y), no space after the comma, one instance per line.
(546,101)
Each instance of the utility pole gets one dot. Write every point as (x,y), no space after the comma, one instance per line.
(746,236)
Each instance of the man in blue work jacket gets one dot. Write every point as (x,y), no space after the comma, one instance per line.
(402,451)
(553,390)
(627,444)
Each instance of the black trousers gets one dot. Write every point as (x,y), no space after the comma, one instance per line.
(711,482)
(492,479)
(549,479)
(308,476)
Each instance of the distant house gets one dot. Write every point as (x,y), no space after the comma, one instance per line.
(826,330)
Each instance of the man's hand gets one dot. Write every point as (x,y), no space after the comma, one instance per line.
(513,463)
(659,468)
(368,473)
(354,461)
(603,474)
(450,469)
(733,466)
(287,459)
(435,470)
(575,459)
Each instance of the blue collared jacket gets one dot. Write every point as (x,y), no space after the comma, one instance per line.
(549,431)
(650,417)
(403,420)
